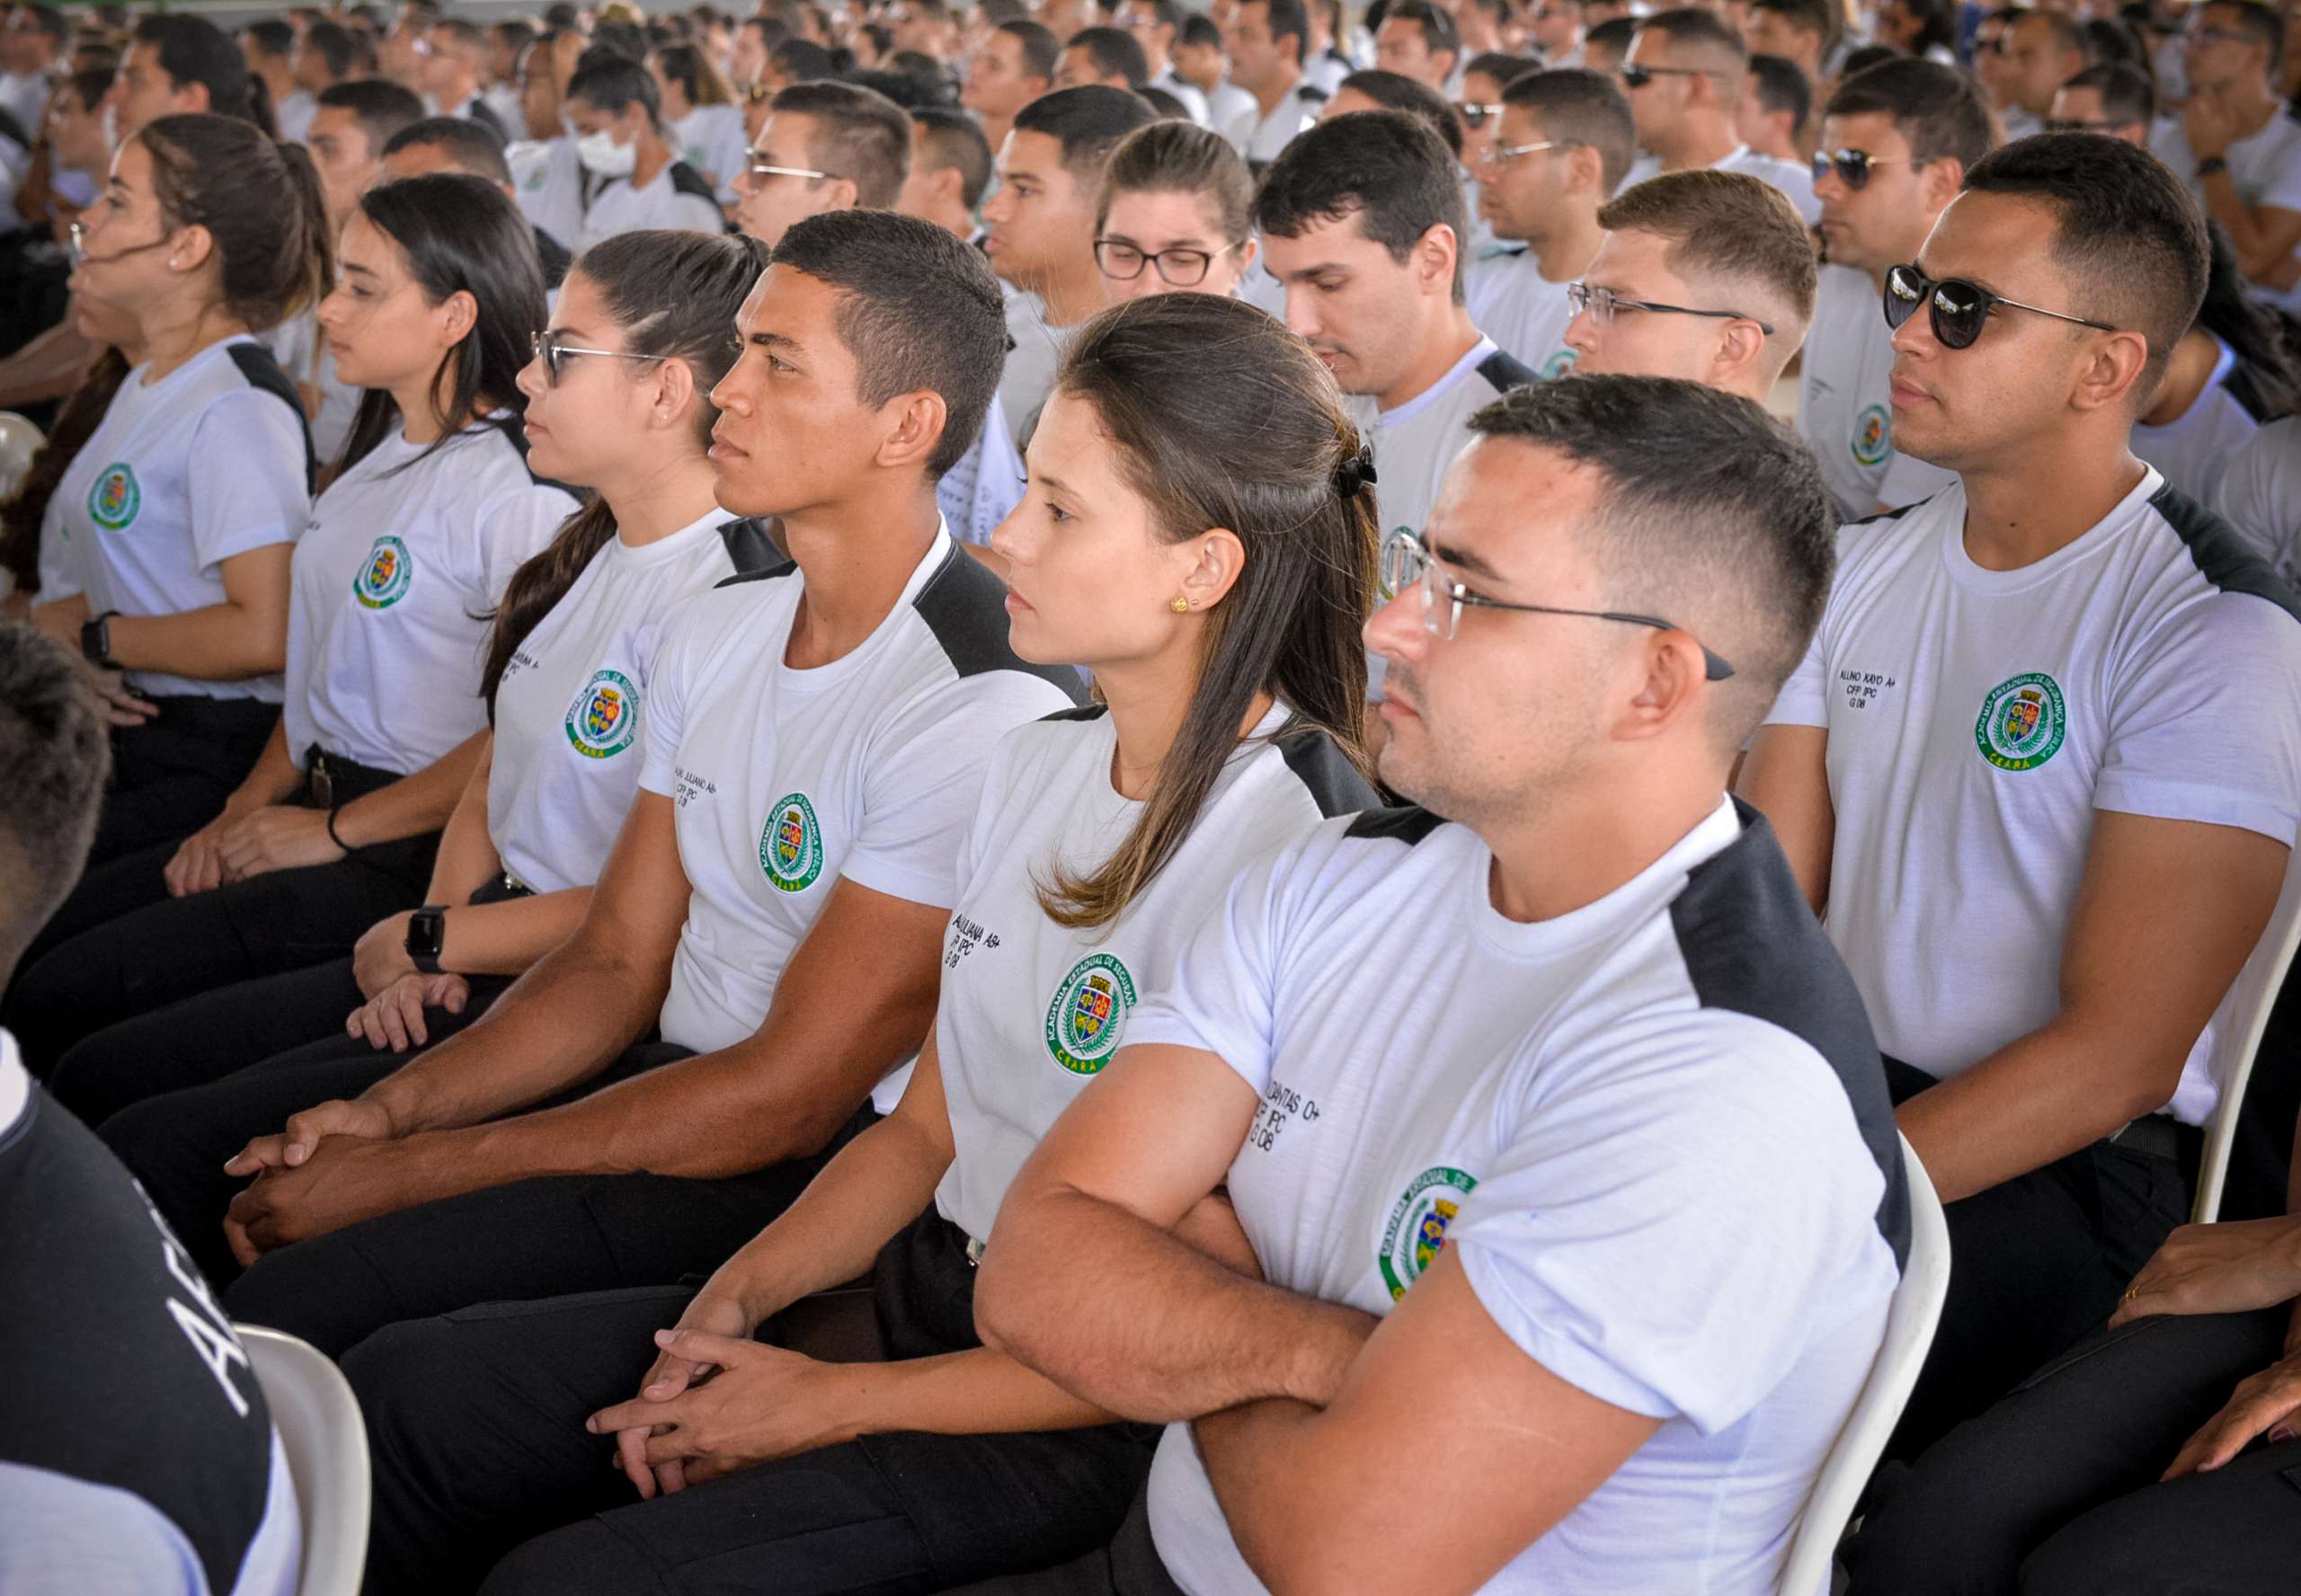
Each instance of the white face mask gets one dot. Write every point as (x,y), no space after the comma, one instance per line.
(602,156)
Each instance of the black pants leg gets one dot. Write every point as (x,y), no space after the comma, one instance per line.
(2038,1262)
(2079,1445)
(1129,1566)
(104,893)
(182,948)
(542,1238)
(176,1142)
(170,777)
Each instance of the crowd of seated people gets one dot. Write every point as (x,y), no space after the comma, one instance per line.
(839,779)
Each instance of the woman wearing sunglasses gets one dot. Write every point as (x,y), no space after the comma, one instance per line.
(335,820)
(1173,216)
(618,401)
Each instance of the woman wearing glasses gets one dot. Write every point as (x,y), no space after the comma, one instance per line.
(618,401)
(1173,216)
(335,820)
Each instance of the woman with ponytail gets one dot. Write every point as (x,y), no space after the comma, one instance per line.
(335,823)
(618,401)
(1199,534)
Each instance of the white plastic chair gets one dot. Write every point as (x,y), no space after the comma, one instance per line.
(1910,1320)
(2237,1027)
(20,441)
(326,1442)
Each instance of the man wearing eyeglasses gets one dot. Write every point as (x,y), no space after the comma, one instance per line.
(1684,77)
(2235,143)
(2041,768)
(1577,1205)
(2114,100)
(1897,141)
(1704,275)
(824,147)
(1564,144)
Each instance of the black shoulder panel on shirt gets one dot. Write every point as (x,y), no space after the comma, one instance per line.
(1504,371)
(966,607)
(555,258)
(262,370)
(2221,556)
(1313,94)
(156,1421)
(686,180)
(1085,712)
(764,574)
(2247,393)
(1408,824)
(1752,946)
(1894,514)
(1322,768)
(752,548)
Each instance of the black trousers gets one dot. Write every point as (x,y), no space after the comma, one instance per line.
(2036,1265)
(154,951)
(170,777)
(476,1429)
(176,1142)
(542,1237)
(1129,1566)
(2054,1491)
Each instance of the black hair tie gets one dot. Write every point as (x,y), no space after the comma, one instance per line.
(1356,472)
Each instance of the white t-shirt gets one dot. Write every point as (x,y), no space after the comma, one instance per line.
(1260,137)
(985,486)
(396,580)
(181,475)
(2195,448)
(1792,179)
(675,198)
(1655,1128)
(1226,104)
(295,114)
(1028,376)
(2260,495)
(1194,103)
(1415,443)
(710,138)
(867,768)
(1523,310)
(1031,1011)
(1977,719)
(2015,122)
(573,699)
(2265,166)
(296,344)
(1844,412)
(549,181)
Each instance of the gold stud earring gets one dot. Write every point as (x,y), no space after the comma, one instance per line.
(1182,605)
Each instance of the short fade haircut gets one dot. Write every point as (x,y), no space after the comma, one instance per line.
(334,45)
(470,147)
(1289,19)
(271,37)
(1575,105)
(1937,110)
(2263,24)
(803,60)
(1041,49)
(614,83)
(1708,511)
(952,138)
(2069,32)
(1115,53)
(918,308)
(194,50)
(467,36)
(860,135)
(1439,36)
(54,754)
(1198,29)
(1615,33)
(1088,122)
(2126,231)
(1781,84)
(2128,96)
(1394,91)
(1690,24)
(1810,16)
(383,108)
(1385,167)
(1735,231)
(1502,66)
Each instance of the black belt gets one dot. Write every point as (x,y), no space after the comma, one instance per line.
(2163,1137)
(332,781)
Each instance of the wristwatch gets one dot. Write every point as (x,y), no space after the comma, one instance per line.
(2211,165)
(95,639)
(427,929)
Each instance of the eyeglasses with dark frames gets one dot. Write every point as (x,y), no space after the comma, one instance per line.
(1122,261)
(1959,309)
(1474,113)
(1854,166)
(1638,77)
(1603,304)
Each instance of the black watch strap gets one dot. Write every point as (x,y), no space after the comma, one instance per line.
(2211,165)
(427,930)
(95,639)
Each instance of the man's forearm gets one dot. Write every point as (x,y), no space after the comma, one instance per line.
(48,368)
(1157,1330)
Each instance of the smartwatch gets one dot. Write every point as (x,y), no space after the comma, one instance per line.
(2211,165)
(427,929)
(95,639)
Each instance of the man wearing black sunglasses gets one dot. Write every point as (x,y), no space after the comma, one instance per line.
(2042,767)
(1684,76)
(1897,141)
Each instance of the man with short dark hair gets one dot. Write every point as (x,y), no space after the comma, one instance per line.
(1898,141)
(2039,51)
(1418,41)
(2235,144)
(1684,77)
(31,47)
(1373,89)
(326,56)
(351,123)
(1777,109)
(1267,42)
(1014,67)
(1591,1206)
(1555,27)
(1104,56)
(1156,26)
(950,168)
(1565,143)
(179,63)
(1042,239)
(618,134)
(1795,31)
(163,1477)
(269,48)
(1605,44)
(458,144)
(824,147)
(2041,770)
(453,70)
(2113,99)
(1702,275)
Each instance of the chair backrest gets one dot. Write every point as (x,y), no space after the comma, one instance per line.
(2237,1028)
(20,441)
(319,1424)
(1916,1308)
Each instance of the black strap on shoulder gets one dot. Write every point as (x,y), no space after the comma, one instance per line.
(1504,371)
(1408,824)
(686,180)
(751,546)
(555,258)
(1085,712)
(260,369)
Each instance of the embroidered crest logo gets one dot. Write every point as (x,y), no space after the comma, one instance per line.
(115,497)
(1871,438)
(2023,721)
(1089,1012)
(791,847)
(384,580)
(604,719)
(1416,1233)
